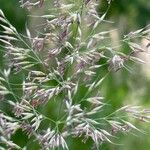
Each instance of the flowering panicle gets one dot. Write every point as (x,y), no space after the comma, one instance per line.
(8,126)
(51,140)
(65,56)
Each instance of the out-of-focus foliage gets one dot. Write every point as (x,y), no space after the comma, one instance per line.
(128,15)
(16,15)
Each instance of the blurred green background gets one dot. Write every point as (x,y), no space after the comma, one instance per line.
(119,88)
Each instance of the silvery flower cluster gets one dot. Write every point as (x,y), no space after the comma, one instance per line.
(65,56)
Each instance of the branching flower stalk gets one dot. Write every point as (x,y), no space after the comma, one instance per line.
(63,58)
